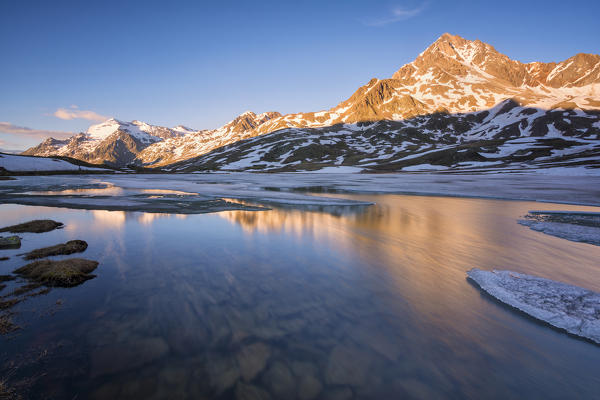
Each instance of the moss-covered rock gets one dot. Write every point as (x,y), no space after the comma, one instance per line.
(64,273)
(10,242)
(72,246)
(36,226)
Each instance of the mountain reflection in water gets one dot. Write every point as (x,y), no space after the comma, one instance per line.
(370,302)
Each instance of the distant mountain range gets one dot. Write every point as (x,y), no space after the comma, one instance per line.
(459,105)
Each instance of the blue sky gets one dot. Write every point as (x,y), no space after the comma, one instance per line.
(202,63)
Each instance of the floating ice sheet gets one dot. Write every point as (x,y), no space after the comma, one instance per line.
(563,306)
(575,226)
(299,190)
(177,194)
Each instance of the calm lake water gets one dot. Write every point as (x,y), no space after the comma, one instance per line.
(365,304)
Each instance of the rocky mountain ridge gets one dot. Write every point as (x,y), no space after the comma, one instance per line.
(456,75)
(119,143)
(507,136)
(455,92)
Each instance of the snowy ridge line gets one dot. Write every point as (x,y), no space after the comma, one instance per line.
(566,307)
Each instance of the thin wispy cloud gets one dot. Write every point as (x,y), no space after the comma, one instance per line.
(396,14)
(7,127)
(74,113)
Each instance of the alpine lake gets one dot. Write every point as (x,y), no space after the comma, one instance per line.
(293,302)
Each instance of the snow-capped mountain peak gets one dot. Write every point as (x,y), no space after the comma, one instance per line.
(112,142)
(456,90)
(104,129)
(138,129)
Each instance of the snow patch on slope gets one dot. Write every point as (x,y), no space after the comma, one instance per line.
(27,163)
(137,129)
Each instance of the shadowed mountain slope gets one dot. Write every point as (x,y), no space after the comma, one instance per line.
(505,136)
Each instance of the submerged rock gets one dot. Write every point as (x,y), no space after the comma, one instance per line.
(343,393)
(309,388)
(563,306)
(309,385)
(249,392)
(223,373)
(383,343)
(280,381)
(348,365)
(72,246)
(120,357)
(65,273)
(35,226)
(10,242)
(412,388)
(252,359)
(6,326)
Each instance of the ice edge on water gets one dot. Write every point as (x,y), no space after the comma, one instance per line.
(567,307)
(576,226)
(574,233)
